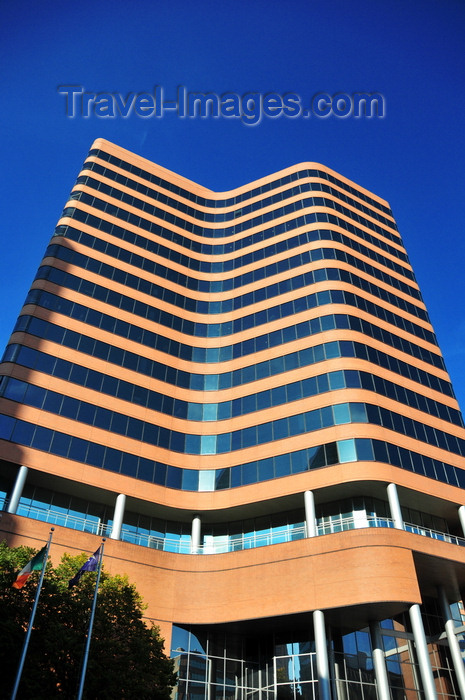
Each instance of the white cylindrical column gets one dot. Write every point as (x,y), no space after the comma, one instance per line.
(462,518)
(394,506)
(321,649)
(379,662)
(195,534)
(421,647)
(17,490)
(310,517)
(452,640)
(118,516)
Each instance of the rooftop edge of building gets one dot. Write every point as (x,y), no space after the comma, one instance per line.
(124,153)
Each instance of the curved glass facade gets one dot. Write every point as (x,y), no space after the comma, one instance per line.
(251,375)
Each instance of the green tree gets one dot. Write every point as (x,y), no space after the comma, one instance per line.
(126,657)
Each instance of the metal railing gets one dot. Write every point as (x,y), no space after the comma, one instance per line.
(434,534)
(289,534)
(353,523)
(229,543)
(93,526)
(232,544)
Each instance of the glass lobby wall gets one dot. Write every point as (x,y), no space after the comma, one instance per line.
(281,665)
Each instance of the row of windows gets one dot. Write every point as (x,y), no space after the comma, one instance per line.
(225,410)
(366,352)
(219,285)
(199,247)
(222,443)
(215,307)
(277,396)
(225,216)
(220,330)
(376,415)
(77,449)
(203,382)
(176,441)
(383,387)
(228,352)
(256,275)
(199,199)
(207,232)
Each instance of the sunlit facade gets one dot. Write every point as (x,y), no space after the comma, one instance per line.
(243,392)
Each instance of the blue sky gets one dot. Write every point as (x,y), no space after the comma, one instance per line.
(412,53)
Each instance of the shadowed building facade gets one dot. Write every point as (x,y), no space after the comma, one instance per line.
(243,391)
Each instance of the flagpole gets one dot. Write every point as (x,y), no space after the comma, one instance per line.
(31,619)
(91,624)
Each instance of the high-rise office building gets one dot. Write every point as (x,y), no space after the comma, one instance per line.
(243,391)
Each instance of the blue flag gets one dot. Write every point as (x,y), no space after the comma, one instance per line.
(90,565)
